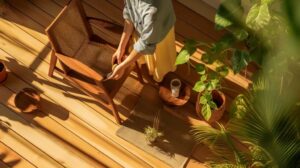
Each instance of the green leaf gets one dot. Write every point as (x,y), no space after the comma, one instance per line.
(228,13)
(188,50)
(206,58)
(240,34)
(183,57)
(200,68)
(207,95)
(212,105)
(222,22)
(222,70)
(214,83)
(239,60)
(226,41)
(199,86)
(292,13)
(258,16)
(203,78)
(210,86)
(203,100)
(206,112)
(267,1)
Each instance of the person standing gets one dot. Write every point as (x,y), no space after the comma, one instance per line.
(151,25)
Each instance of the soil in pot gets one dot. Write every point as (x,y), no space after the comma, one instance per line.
(219,99)
(3,73)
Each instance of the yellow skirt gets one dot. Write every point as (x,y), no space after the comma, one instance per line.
(163,59)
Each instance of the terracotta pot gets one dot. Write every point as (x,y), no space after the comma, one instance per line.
(220,100)
(3,73)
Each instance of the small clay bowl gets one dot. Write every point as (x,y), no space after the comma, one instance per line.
(166,95)
(27,100)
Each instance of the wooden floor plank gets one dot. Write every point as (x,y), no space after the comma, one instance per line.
(155,160)
(26,149)
(44,122)
(30,47)
(115,152)
(69,121)
(33,28)
(48,7)
(39,139)
(32,11)
(13,159)
(44,72)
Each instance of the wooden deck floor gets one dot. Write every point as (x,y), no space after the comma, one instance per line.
(72,130)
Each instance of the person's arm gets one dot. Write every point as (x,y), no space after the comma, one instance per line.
(127,32)
(120,69)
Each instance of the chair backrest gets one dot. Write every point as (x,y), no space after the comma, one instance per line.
(69,30)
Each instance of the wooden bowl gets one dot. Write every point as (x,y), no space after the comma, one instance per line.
(27,100)
(166,94)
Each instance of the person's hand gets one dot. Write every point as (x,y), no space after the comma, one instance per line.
(118,55)
(117,73)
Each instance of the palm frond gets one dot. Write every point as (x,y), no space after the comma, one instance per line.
(270,122)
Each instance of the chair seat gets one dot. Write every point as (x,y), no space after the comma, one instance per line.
(96,56)
(99,57)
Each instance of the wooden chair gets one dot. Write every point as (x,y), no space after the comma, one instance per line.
(85,58)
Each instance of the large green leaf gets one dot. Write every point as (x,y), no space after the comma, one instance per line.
(293,15)
(203,78)
(258,16)
(215,83)
(183,57)
(206,112)
(240,34)
(212,105)
(188,50)
(225,42)
(267,1)
(240,60)
(203,100)
(207,58)
(199,86)
(228,13)
(222,70)
(271,122)
(200,69)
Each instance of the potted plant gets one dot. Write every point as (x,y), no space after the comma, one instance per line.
(152,133)
(210,104)
(3,73)
(262,133)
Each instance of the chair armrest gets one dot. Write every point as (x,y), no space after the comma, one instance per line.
(79,67)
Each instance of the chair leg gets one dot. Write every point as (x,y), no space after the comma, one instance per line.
(115,111)
(53,61)
(139,73)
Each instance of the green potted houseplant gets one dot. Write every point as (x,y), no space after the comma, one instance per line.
(152,133)
(210,104)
